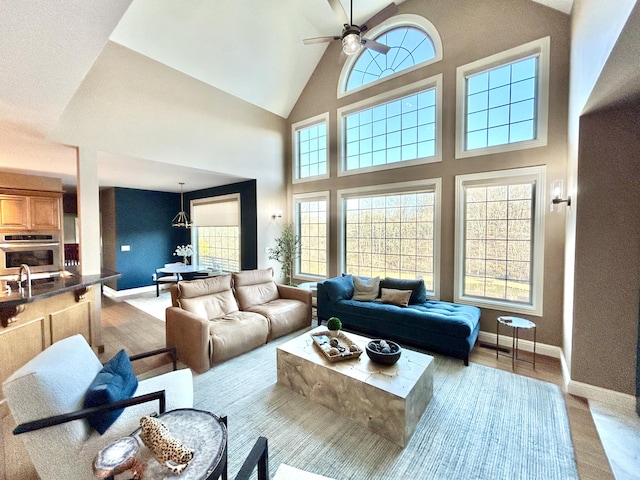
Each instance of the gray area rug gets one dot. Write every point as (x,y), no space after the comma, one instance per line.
(482,423)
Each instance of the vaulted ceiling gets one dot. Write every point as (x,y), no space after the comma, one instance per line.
(74,72)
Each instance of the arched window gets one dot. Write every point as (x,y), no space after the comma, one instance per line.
(413,42)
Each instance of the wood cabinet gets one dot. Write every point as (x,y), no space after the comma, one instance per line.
(30,212)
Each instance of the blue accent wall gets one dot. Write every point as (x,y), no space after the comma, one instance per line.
(143,221)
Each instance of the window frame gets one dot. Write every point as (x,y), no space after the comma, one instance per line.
(537,175)
(434,82)
(301,198)
(301,125)
(539,48)
(215,199)
(397,21)
(429,184)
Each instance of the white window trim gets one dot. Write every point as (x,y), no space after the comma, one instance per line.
(397,21)
(309,122)
(540,48)
(427,83)
(305,197)
(434,184)
(536,174)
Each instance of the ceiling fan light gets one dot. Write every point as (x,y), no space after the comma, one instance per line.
(351,43)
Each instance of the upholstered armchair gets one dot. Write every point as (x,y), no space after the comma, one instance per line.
(46,398)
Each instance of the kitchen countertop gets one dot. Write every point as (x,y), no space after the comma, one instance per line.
(43,288)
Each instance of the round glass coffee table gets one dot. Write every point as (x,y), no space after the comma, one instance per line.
(517,324)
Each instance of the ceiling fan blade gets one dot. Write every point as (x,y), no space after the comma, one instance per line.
(338,9)
(311,41)
(377,46)
(387,12)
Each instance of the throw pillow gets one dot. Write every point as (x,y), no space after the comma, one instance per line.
(116,381)
(366,289)
(339,288)
(419,291)
(396,297)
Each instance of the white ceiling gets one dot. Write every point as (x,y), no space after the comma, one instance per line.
(56,54)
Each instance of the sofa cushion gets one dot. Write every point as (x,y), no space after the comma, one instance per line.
(419,291)
(366,289)
(285,316)
(208,298)
(116,381)
(395,297)
(339,288)
(235,334)
(254,287)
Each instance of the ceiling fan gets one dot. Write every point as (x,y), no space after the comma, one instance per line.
(351,37)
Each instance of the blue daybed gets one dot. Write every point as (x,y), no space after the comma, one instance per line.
(444,327)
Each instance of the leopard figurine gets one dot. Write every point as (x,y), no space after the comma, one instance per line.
(169,452)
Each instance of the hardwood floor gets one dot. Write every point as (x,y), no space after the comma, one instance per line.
(124,326)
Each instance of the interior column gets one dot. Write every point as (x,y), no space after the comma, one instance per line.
(88,211)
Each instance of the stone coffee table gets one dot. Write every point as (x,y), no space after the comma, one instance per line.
(388,400)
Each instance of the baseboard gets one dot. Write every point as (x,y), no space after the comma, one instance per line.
(111,293)
(525,345)
(618,400)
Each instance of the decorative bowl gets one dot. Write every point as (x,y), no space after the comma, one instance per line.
(375,351)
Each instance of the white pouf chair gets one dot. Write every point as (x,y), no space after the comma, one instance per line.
(54,383)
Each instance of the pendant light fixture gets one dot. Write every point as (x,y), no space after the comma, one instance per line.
(181,219)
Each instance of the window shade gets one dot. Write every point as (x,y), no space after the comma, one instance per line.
(224,213)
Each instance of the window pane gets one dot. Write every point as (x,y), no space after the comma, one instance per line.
(506,97)
(498,241)
(219,247)
(399,130)
(391,235)
(311,151)
(311,221)
(409,46)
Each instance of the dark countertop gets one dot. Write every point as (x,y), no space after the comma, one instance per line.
(43,288)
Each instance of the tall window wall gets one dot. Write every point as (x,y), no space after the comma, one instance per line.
(312,226)
(216,232)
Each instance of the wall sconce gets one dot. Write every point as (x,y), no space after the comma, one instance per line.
(276,214)
(557,190)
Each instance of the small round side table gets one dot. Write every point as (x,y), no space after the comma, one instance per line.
(517,324)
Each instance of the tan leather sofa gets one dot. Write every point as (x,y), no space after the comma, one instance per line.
(214,319)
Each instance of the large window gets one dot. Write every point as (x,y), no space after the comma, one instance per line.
(216,232)
(311,221)
(499,239)
(394,129)
(393,231)
(310,146)
(502,101)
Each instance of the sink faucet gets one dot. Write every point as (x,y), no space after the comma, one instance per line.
(24,268)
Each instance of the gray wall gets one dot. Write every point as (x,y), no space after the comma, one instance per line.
(469,31)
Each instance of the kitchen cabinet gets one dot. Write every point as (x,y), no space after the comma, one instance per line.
(30,212)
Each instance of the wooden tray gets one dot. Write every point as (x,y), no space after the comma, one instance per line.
(322,339)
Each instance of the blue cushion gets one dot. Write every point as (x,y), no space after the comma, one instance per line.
(116,381)
(419,291)
(339,288)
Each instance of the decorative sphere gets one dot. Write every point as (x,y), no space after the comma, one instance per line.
(334,342)
(384,355)
(333,351)
(334,323)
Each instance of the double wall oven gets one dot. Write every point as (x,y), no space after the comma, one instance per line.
(41,251)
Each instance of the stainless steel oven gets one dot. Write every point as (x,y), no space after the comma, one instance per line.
(40,251)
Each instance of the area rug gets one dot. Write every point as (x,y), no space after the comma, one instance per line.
(151,304)
(482,423)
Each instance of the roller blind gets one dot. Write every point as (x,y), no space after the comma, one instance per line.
(217,213)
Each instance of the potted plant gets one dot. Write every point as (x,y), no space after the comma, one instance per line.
(334,325)
(286,251)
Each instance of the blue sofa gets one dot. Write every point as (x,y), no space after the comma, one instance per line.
(443,327)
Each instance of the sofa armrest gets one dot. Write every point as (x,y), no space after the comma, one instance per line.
(189,333)
(294,293)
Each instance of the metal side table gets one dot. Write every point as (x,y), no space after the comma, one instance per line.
(517,324)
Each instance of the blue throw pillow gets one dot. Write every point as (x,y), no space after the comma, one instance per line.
(116,381)
(339,288)
(418,290)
